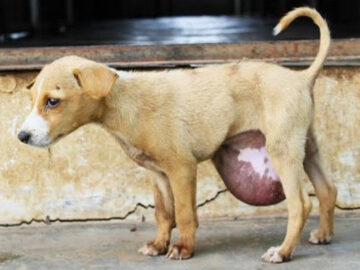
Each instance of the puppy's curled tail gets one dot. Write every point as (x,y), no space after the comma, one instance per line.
(315,67)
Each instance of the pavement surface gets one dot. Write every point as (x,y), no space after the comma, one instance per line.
(235,244)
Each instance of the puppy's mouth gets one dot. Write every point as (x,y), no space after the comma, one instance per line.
(40,143)
(58,137)
(43,143)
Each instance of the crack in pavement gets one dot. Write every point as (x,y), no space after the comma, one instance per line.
(48,221)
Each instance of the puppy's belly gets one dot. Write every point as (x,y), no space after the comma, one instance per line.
(246,169)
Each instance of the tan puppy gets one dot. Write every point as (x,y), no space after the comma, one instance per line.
(170,121)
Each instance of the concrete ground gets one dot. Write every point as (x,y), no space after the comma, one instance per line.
(236,244)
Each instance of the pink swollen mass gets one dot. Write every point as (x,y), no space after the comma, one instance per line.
(245,167)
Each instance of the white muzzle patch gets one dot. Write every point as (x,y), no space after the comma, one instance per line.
(38,128)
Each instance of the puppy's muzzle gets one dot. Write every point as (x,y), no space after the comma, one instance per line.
(24,136)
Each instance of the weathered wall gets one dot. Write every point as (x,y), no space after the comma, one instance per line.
(87,175)
(337,128)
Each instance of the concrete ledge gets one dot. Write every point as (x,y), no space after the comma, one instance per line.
(292,53)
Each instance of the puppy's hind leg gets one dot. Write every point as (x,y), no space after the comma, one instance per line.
(164,215)
(287,161)
(326,193)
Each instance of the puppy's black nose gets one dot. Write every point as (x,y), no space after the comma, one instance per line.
(24,136)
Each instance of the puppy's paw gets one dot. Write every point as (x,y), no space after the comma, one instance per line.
(153,249)
(319,237)
(272,255)
(179,252)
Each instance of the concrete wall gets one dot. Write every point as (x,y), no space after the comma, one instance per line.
(87,175)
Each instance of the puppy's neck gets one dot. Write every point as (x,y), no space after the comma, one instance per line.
(122,104)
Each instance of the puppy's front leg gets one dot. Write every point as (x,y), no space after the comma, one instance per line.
(164,215)
(183,184)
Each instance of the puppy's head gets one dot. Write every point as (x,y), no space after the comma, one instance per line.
(65,95)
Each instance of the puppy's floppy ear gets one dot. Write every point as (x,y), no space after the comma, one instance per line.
(96,79)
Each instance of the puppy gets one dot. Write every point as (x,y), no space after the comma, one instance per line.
(169,121)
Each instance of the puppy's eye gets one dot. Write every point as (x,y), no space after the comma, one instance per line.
(52,102)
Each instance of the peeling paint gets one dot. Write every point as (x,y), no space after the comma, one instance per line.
(347,158)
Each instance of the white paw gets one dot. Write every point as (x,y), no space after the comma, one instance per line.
(317,238)
(178,252)
(174,254)
(148,250)
(272,255)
